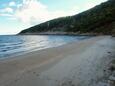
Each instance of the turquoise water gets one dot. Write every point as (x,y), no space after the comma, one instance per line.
(13,45)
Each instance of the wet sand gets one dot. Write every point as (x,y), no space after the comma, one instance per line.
(75,64)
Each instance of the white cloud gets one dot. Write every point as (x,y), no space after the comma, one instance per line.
(12,4)
(91,4)
(10,10)
(34,11)
(7,10)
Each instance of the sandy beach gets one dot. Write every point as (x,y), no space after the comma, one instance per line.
(75,64)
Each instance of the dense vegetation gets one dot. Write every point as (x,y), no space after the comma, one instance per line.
(100,19)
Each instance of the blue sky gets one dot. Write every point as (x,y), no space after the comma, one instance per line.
(16,15)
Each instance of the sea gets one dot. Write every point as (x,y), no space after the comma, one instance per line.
(13,45)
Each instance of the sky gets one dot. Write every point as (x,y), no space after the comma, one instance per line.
(16,15)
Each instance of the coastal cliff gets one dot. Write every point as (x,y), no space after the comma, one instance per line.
(97,20)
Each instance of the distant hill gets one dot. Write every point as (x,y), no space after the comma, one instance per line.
(98,20)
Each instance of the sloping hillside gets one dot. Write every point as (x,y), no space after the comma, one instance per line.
(98,20)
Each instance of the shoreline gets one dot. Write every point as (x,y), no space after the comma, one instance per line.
(63,33)
(37,50)
(59,65)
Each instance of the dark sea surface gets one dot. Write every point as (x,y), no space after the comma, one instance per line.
(12,45)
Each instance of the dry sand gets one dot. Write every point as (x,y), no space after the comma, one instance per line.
(75,64)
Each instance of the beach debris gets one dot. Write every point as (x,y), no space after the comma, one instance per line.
(112,79)
(109,52)
(112,67)
(37,74)
(109,77)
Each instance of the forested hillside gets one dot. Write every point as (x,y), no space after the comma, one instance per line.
(99,20)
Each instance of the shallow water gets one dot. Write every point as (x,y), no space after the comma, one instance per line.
(12,44)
